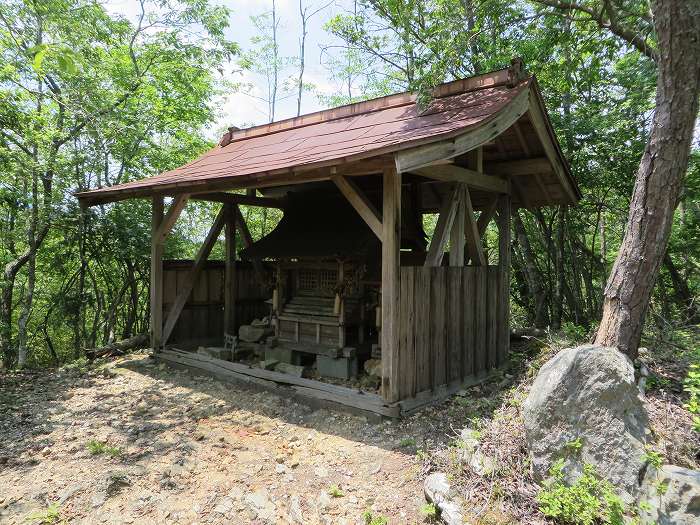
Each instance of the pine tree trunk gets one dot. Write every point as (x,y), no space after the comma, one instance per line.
(659,177)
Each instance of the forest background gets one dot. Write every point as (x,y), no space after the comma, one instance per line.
(97,93)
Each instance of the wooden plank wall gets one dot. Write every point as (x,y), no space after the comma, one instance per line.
(202,318)
(450,325)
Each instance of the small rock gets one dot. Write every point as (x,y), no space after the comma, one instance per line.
(673,496)
(437,490)
(225,506)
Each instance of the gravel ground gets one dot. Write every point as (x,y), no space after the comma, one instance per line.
(172,447)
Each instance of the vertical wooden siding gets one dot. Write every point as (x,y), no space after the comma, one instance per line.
(202,318)
(451,322)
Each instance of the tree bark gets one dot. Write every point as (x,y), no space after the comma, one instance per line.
(659,177)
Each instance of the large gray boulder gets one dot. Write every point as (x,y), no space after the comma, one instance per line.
(584,407)
(670,495)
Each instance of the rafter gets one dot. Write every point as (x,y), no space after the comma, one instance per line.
(360,202)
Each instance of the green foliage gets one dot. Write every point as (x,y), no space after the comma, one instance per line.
(575,445)
(97,448)
(370,519)
(691,386)
(431,512)
(87,101)
(335,492)
(48,516)
(590,499)
(407,442)
(653,458)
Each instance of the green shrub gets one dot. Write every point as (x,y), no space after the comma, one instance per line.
(48,516)
(587,501)
(431,512)
(691,385)
(98,447)
(374,520)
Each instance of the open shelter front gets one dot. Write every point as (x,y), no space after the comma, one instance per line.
(349,273)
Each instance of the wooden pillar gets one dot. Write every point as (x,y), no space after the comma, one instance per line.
(391,246)
(230,271)
(457,238)
(504,241)
(156,273)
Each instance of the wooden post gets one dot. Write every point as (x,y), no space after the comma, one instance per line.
(457,233)
(503,309)
(156,273)
(391,246)
(230,270)
(191,279)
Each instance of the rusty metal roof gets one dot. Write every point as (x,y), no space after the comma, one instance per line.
(331,137)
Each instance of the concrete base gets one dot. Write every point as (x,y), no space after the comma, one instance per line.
(281,354)
(340,367)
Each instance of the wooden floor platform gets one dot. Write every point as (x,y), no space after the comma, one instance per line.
(308,389)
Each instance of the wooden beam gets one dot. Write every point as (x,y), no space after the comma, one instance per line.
(520,167)
(237,198)
(156,274)
(457,233)
(521,139)
(446,218)
(474,248)
(540,123)
(485,216)
(361,203)
(230,271)
(503,305)
(191,279)
(171,217)
(410,159)
(470,177)
(247,239)
(391,249)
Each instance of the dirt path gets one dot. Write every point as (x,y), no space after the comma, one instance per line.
(189,449)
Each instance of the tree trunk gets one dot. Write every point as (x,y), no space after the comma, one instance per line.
(532,273)
(659,177)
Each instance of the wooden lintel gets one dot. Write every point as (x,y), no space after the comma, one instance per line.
(471,178)
(191,279)
(171,216)
(443,227)
(361,203)
(411,159)
(237,198)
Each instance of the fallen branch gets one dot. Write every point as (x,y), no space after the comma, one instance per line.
(118,347)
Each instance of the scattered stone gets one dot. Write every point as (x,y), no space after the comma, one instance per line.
(286,368)
(295,511)
(224,507)
(268,364)
(584,407)
(672,496)
(373,367)
(260,502)
(437,490)
(250,333)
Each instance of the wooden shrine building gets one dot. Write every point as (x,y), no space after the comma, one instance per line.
(349,265)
